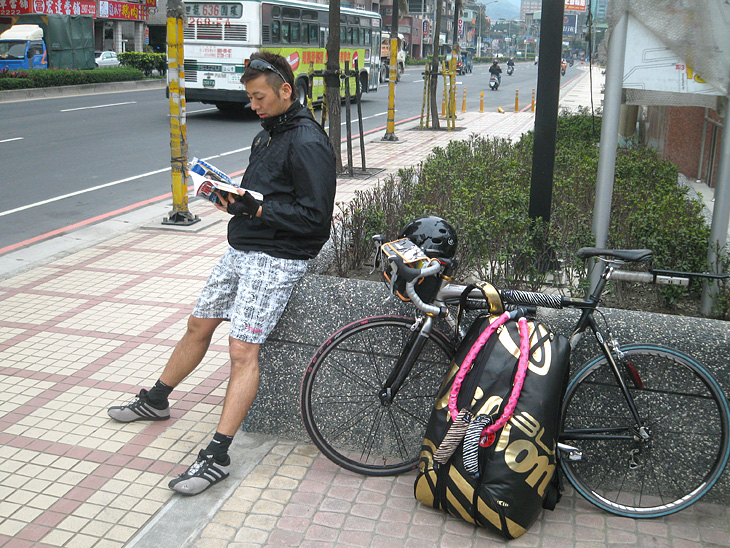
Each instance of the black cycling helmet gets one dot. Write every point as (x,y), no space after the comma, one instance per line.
(432,234)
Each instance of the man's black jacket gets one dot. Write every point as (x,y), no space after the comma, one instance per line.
(292,164)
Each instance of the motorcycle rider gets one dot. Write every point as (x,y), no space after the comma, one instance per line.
(510,65)
(563,66)
(496,70)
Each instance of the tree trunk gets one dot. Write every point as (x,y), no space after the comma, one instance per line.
(435,66)
(332,82)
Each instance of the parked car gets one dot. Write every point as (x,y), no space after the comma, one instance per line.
(106,59)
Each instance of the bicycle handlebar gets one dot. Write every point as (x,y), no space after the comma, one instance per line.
(412,275)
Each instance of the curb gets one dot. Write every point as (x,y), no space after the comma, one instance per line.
(13,95)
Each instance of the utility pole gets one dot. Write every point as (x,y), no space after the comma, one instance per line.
(390,124)
(180,215)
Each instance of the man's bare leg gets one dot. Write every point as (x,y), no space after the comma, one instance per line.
(213,462)
(190,351)
(186,356)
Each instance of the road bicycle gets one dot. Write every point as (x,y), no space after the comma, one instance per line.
(644,428)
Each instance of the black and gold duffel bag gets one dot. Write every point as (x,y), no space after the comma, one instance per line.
(489,455)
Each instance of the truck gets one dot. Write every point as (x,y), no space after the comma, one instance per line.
(48,41)
(385,56)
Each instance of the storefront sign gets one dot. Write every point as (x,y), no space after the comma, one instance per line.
(122,10)
(63,7)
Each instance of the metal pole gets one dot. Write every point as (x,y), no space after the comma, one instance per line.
(720,219)
(180,215)
(609,135)
(358,96)
(348,119)
(546,118)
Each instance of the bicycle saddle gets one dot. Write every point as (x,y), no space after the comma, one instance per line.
(631,255)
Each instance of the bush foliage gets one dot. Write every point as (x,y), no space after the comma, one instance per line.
(146,62)
(42,78)
(482,187)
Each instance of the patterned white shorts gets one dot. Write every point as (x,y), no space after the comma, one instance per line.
(251,289)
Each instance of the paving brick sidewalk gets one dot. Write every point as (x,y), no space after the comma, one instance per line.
(73,333)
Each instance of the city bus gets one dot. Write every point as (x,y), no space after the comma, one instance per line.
(220,36)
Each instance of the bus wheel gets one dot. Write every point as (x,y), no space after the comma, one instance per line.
(363,85)
(230,108)
(302,92)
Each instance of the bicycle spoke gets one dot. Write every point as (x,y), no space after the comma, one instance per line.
(371,438)
(399,437)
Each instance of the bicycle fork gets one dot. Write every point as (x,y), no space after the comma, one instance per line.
(420,333)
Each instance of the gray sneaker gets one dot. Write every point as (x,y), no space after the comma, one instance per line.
(203,473)
(138,409)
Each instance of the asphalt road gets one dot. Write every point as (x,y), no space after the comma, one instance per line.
(67,160)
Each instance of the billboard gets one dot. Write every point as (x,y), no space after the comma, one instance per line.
(575,5)
(570,24)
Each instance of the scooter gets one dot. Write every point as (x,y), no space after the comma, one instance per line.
(562,70)
(510,70)
(493,82)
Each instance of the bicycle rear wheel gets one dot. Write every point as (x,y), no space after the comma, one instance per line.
(340,403)
(684,415)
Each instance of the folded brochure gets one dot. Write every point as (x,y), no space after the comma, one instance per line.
(207,179)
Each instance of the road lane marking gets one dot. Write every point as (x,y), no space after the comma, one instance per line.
(99,106)
(201,110)
(107,185)
(12,139)
(367,117)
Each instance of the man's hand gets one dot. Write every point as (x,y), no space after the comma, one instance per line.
(242,204)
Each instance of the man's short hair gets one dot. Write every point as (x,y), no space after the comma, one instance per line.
(272,78)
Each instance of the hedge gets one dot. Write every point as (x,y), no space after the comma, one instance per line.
(42,78)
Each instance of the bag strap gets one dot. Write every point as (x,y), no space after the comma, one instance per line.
(519,380)
(469,360)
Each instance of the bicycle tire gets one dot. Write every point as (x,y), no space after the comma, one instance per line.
(339,400)
(687,417)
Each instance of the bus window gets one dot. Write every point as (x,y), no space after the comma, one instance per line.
(343,34)
(275,11)
(313,34)
(295,37)
(285,33)
(349,35)
(309,15)
(275,32)
(290,13)
(366,36)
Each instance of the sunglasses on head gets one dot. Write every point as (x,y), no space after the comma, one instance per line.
(262,66)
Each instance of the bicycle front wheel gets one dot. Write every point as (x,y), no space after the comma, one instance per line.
(340,395)
(665,463)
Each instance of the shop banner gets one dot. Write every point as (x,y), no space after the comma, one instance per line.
(15,7)
(122,10)
(63,7)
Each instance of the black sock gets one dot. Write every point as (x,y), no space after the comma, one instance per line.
(157,396)
(218,447)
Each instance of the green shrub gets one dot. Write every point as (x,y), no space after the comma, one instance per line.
(146,62)
(15,83)
(482,187)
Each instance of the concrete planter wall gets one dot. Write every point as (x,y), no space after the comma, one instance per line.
(322,304)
